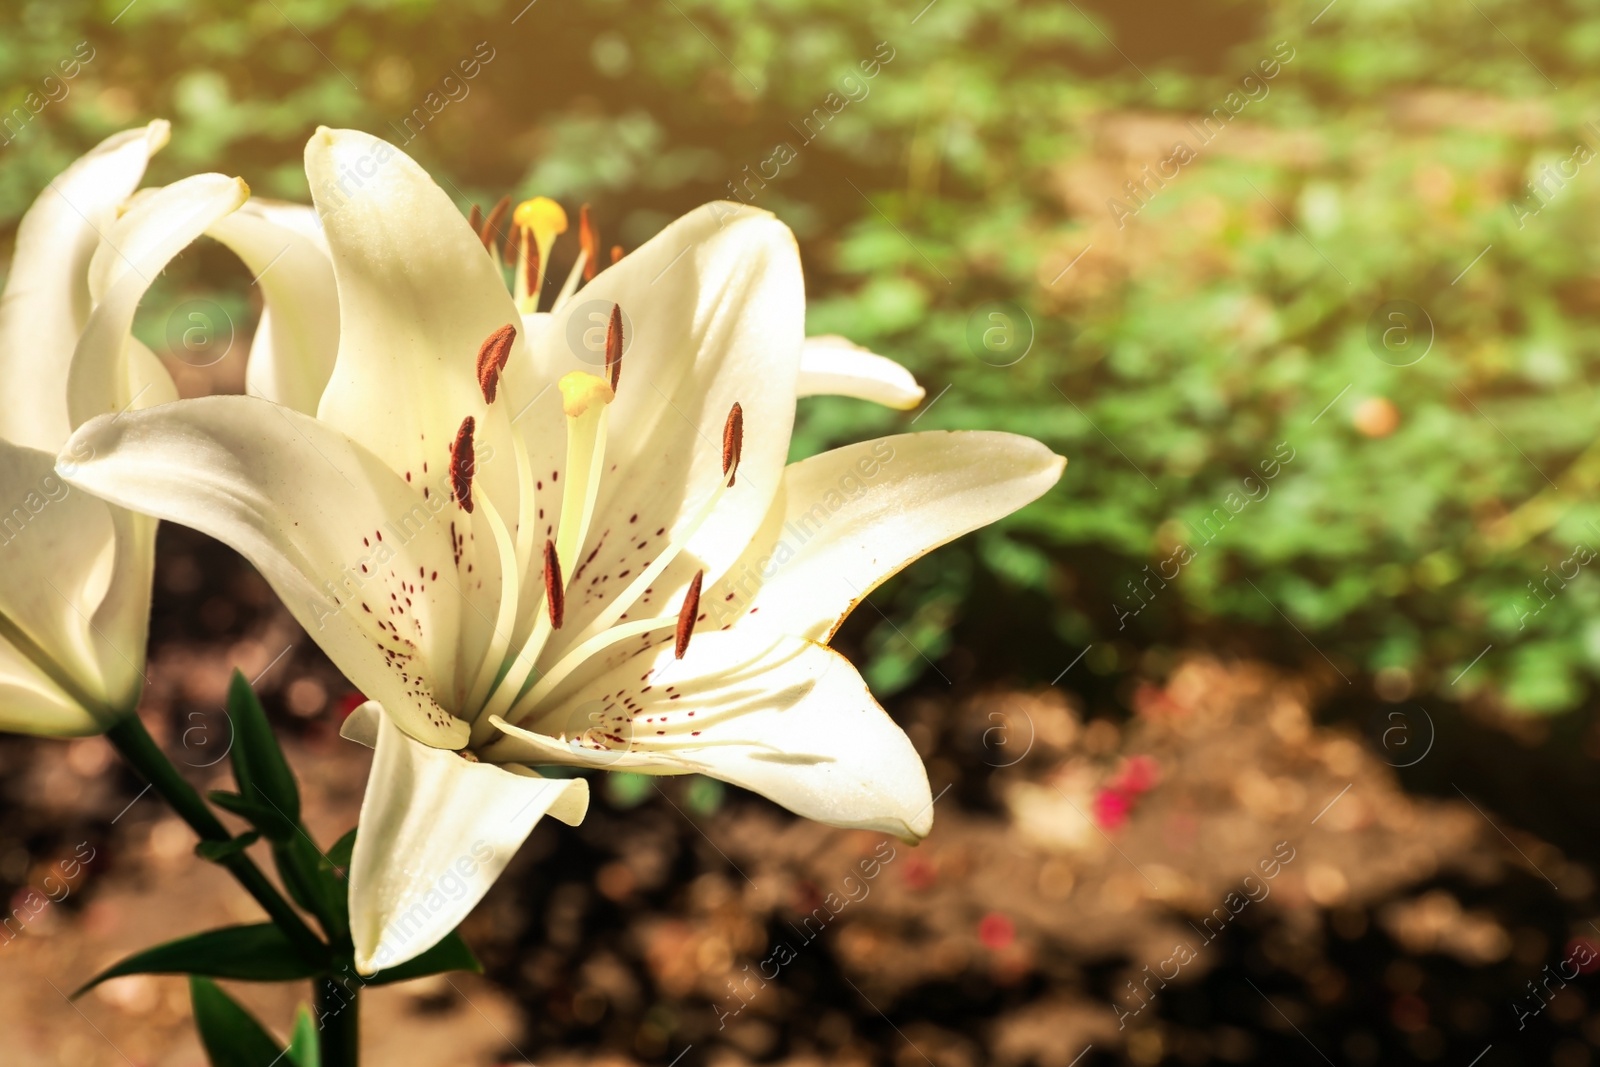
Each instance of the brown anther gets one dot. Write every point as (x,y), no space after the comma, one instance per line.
(490,233)
(589,241)
(462,462)
(492,356)
(687,614)
(475,218)
(530,262)
(732,442)
(555,596)
(616,253)
(614,346)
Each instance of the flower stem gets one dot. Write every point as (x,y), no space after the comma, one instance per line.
(141,751)
(338,1013)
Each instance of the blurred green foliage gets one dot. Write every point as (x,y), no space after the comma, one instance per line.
(1171,343)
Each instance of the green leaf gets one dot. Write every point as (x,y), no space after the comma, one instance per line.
(219,851)
(304,1048)
(339,855)
(264,818)
(231,1036)
(258,953)
(451,954)
(313,883)
(263,774)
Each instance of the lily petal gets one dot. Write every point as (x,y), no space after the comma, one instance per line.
(849,519)
(833,366)
(436,831)
(46,299)
(168,220)
(297,338)
(785,717)
(309,508)
(58,549)
(30,703)
(417,297)
(716,309)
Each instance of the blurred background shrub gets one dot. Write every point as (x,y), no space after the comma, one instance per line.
(1325,374)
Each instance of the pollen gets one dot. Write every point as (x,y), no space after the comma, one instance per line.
(543,216)
(614,346)
(580,389)
(492,356)
(462,462)
(687,615)
(554,594)
(589,240)
(732,442)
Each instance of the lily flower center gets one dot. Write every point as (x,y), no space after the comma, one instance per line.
(507,684)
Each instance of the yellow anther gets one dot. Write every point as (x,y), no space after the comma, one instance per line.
(543,216)
(542,220)
(579,389)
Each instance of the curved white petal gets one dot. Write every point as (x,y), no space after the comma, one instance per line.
(834,366)
(436,831)
(848,519)
(417,297)
(361,725)
(31,703)
(715,313)
(46,299)
(361,559)
(784,717)
(167,221)
(62,554)
(297,337)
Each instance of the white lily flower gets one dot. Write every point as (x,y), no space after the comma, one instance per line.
(75,573)
(528,555)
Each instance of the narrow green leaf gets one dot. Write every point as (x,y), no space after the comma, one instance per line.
(304,1048)
(339,855)
(263,817)
(219,851)
(263,774)
(258,953)
(311,881)
(451,954)
(231,1035)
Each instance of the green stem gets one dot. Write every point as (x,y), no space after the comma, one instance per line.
(338,1010)
(140,749)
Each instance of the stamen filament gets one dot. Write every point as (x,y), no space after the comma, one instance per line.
(505,619)
(586,400)
(625,600)
(570,286)
(582,654)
